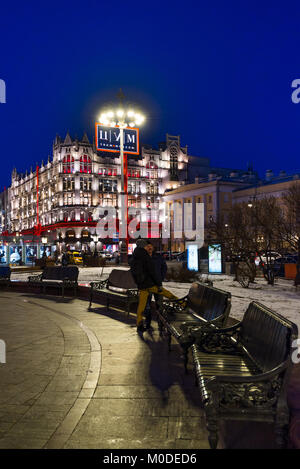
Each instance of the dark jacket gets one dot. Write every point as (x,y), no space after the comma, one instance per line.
(159,265)
(143,269)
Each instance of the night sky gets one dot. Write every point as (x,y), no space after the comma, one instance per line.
(217,73)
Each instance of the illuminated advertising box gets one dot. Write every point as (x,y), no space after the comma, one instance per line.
(3,256)
(192,257)
(15,254)
(108,139)
(214,259)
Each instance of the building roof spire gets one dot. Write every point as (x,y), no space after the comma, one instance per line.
(85,138)
(68,139)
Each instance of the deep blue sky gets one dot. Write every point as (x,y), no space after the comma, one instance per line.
(217,73)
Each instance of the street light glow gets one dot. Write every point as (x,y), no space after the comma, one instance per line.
(108,117)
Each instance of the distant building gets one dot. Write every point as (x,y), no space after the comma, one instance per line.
(219,193)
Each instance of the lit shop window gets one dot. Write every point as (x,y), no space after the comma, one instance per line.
(108,185)
(68,164)
(85,164)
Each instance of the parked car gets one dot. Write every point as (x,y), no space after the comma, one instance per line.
(75,258)
(268,256)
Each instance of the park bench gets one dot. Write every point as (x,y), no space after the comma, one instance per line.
(119,288)
(204,306)
(242,371)
(56,277)
(5,273)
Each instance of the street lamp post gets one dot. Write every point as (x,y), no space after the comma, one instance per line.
(123,119)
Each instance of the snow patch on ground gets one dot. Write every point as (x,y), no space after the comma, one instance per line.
(282,297)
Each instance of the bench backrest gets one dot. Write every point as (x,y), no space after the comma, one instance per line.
(209,302)
(5,272)
(121,280)
(267,336)
(60,273)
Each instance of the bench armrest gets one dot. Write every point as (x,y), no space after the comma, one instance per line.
(263,390)
(174,306)
(201,325)
(35,278)
(98,285)
(259,378)
(169,301)
(210,339)
(133,293)
(67,281)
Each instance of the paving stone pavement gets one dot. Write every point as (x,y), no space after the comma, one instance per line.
(75,378)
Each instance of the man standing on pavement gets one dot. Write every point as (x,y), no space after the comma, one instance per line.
(161,270)
(144,273)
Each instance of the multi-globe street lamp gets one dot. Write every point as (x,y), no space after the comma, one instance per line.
(122,119)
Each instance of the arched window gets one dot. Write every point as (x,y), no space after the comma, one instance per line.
(68,164)
(85,164)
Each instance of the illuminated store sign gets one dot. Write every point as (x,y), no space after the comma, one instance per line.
(108,139)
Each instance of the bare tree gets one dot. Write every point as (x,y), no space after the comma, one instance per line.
(290,227)
(249,232)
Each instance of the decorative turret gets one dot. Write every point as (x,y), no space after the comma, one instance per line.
(68,139)
(85,138)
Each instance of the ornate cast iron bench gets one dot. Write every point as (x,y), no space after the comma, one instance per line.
(242,371)
(118,289)
(5,273)
(204,306)
(57,277)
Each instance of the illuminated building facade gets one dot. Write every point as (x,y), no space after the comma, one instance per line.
(58,199)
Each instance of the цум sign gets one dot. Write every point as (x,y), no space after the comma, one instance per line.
(108,139)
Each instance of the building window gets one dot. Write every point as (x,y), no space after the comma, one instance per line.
(85,164)
(152,187)
(108,200)
(69,198)
(134,173)
(68,164)
(134,187)
(68,184)
(85,199)
(108,185)
(86,184)
(134,201)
